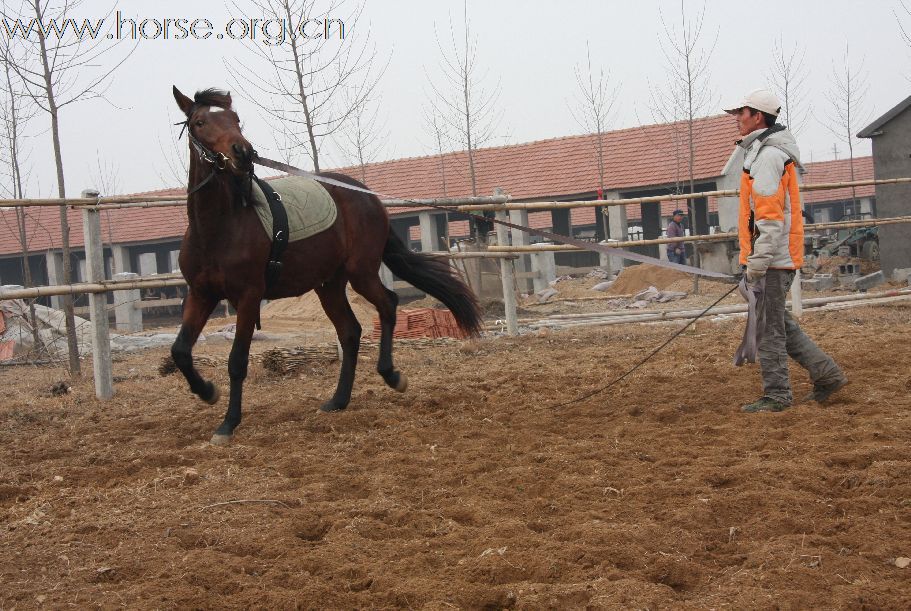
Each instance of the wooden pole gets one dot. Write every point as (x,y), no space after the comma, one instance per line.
(796,296)
(88,288)
(508,279)
(101,339)
(557,205)
(714,237)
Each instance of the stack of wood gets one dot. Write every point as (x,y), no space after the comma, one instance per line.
(289,360)
(168,366)
(423,322)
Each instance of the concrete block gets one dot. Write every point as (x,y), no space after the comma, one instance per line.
(901,275)
(869,281)
(819,282)
(849,269)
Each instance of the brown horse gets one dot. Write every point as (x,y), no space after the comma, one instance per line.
(225,253)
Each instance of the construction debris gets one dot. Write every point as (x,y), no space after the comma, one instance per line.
(653,295)
(867,282)
(545,295)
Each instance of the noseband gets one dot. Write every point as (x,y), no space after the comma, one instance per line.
(218,161)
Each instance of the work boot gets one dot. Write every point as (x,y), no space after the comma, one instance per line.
(765,404)
(822,392)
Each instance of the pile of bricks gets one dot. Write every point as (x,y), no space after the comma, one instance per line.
(6,347)
(423,322)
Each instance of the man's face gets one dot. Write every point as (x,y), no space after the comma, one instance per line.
(747,122)
(678,218)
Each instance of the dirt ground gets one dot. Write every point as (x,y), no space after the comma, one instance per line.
(471,490)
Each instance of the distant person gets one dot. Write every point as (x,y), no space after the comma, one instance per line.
(676,251)
(770,229)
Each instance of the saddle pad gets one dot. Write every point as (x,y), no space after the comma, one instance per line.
(309,206)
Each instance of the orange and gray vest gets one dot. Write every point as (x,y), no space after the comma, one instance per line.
(770,227)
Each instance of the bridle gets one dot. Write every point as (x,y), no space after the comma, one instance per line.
(218,161)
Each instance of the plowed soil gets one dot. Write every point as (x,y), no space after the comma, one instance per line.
(472,490)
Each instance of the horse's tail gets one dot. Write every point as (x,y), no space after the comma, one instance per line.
(436,277)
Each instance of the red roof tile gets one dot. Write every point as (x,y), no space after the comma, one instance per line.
(838,171)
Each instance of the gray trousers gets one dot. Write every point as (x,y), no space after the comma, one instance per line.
(782,338)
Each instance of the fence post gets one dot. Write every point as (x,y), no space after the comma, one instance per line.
(797,296)
(127,310)
(520,238)
(507,274)
(544,266)
(101,340)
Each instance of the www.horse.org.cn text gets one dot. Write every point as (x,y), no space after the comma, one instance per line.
(269,31)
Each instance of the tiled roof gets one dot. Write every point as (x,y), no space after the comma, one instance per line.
(838,171)
(118,226)
(634,157)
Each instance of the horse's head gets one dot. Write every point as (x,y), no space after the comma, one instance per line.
(216,129)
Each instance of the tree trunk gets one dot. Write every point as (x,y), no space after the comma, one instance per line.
(72,344)
(311,136)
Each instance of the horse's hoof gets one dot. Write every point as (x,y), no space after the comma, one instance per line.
(331,406)
(402,386)
(215,396)
(220,440)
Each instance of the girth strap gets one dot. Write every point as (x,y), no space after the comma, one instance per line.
(279,232)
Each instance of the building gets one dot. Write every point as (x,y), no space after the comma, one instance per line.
(639,162)
(891,136)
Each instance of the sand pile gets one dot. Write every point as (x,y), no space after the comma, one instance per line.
(309,311)
(639,277)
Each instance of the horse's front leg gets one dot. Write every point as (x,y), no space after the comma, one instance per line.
(247,312)
(196,311)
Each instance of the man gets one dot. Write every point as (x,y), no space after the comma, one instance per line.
(771,249)
(675,250)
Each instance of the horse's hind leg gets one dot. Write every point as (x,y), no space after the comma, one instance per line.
(385,301)
(335,303)
(196,311)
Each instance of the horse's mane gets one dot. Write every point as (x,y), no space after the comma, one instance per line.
(213,97)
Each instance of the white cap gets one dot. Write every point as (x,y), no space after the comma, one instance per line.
(760,99)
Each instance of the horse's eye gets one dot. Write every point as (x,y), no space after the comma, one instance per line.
(200,123)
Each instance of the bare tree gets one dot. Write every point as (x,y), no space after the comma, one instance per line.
(299,78)
(787,79)
(176,169)
(14,117)
(464,107)
(437,128)
(847,96)
(595,102)
(687,96)
(57,72)
(364,136)
(466,110)
(905,14)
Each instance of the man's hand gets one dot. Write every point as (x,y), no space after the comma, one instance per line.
(753,275)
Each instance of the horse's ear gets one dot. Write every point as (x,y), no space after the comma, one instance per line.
(228,98)
(183,101)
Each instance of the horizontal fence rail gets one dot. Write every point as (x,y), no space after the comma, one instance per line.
(712,237)
(460,204)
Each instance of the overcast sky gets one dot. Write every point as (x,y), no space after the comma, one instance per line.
(528,48)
